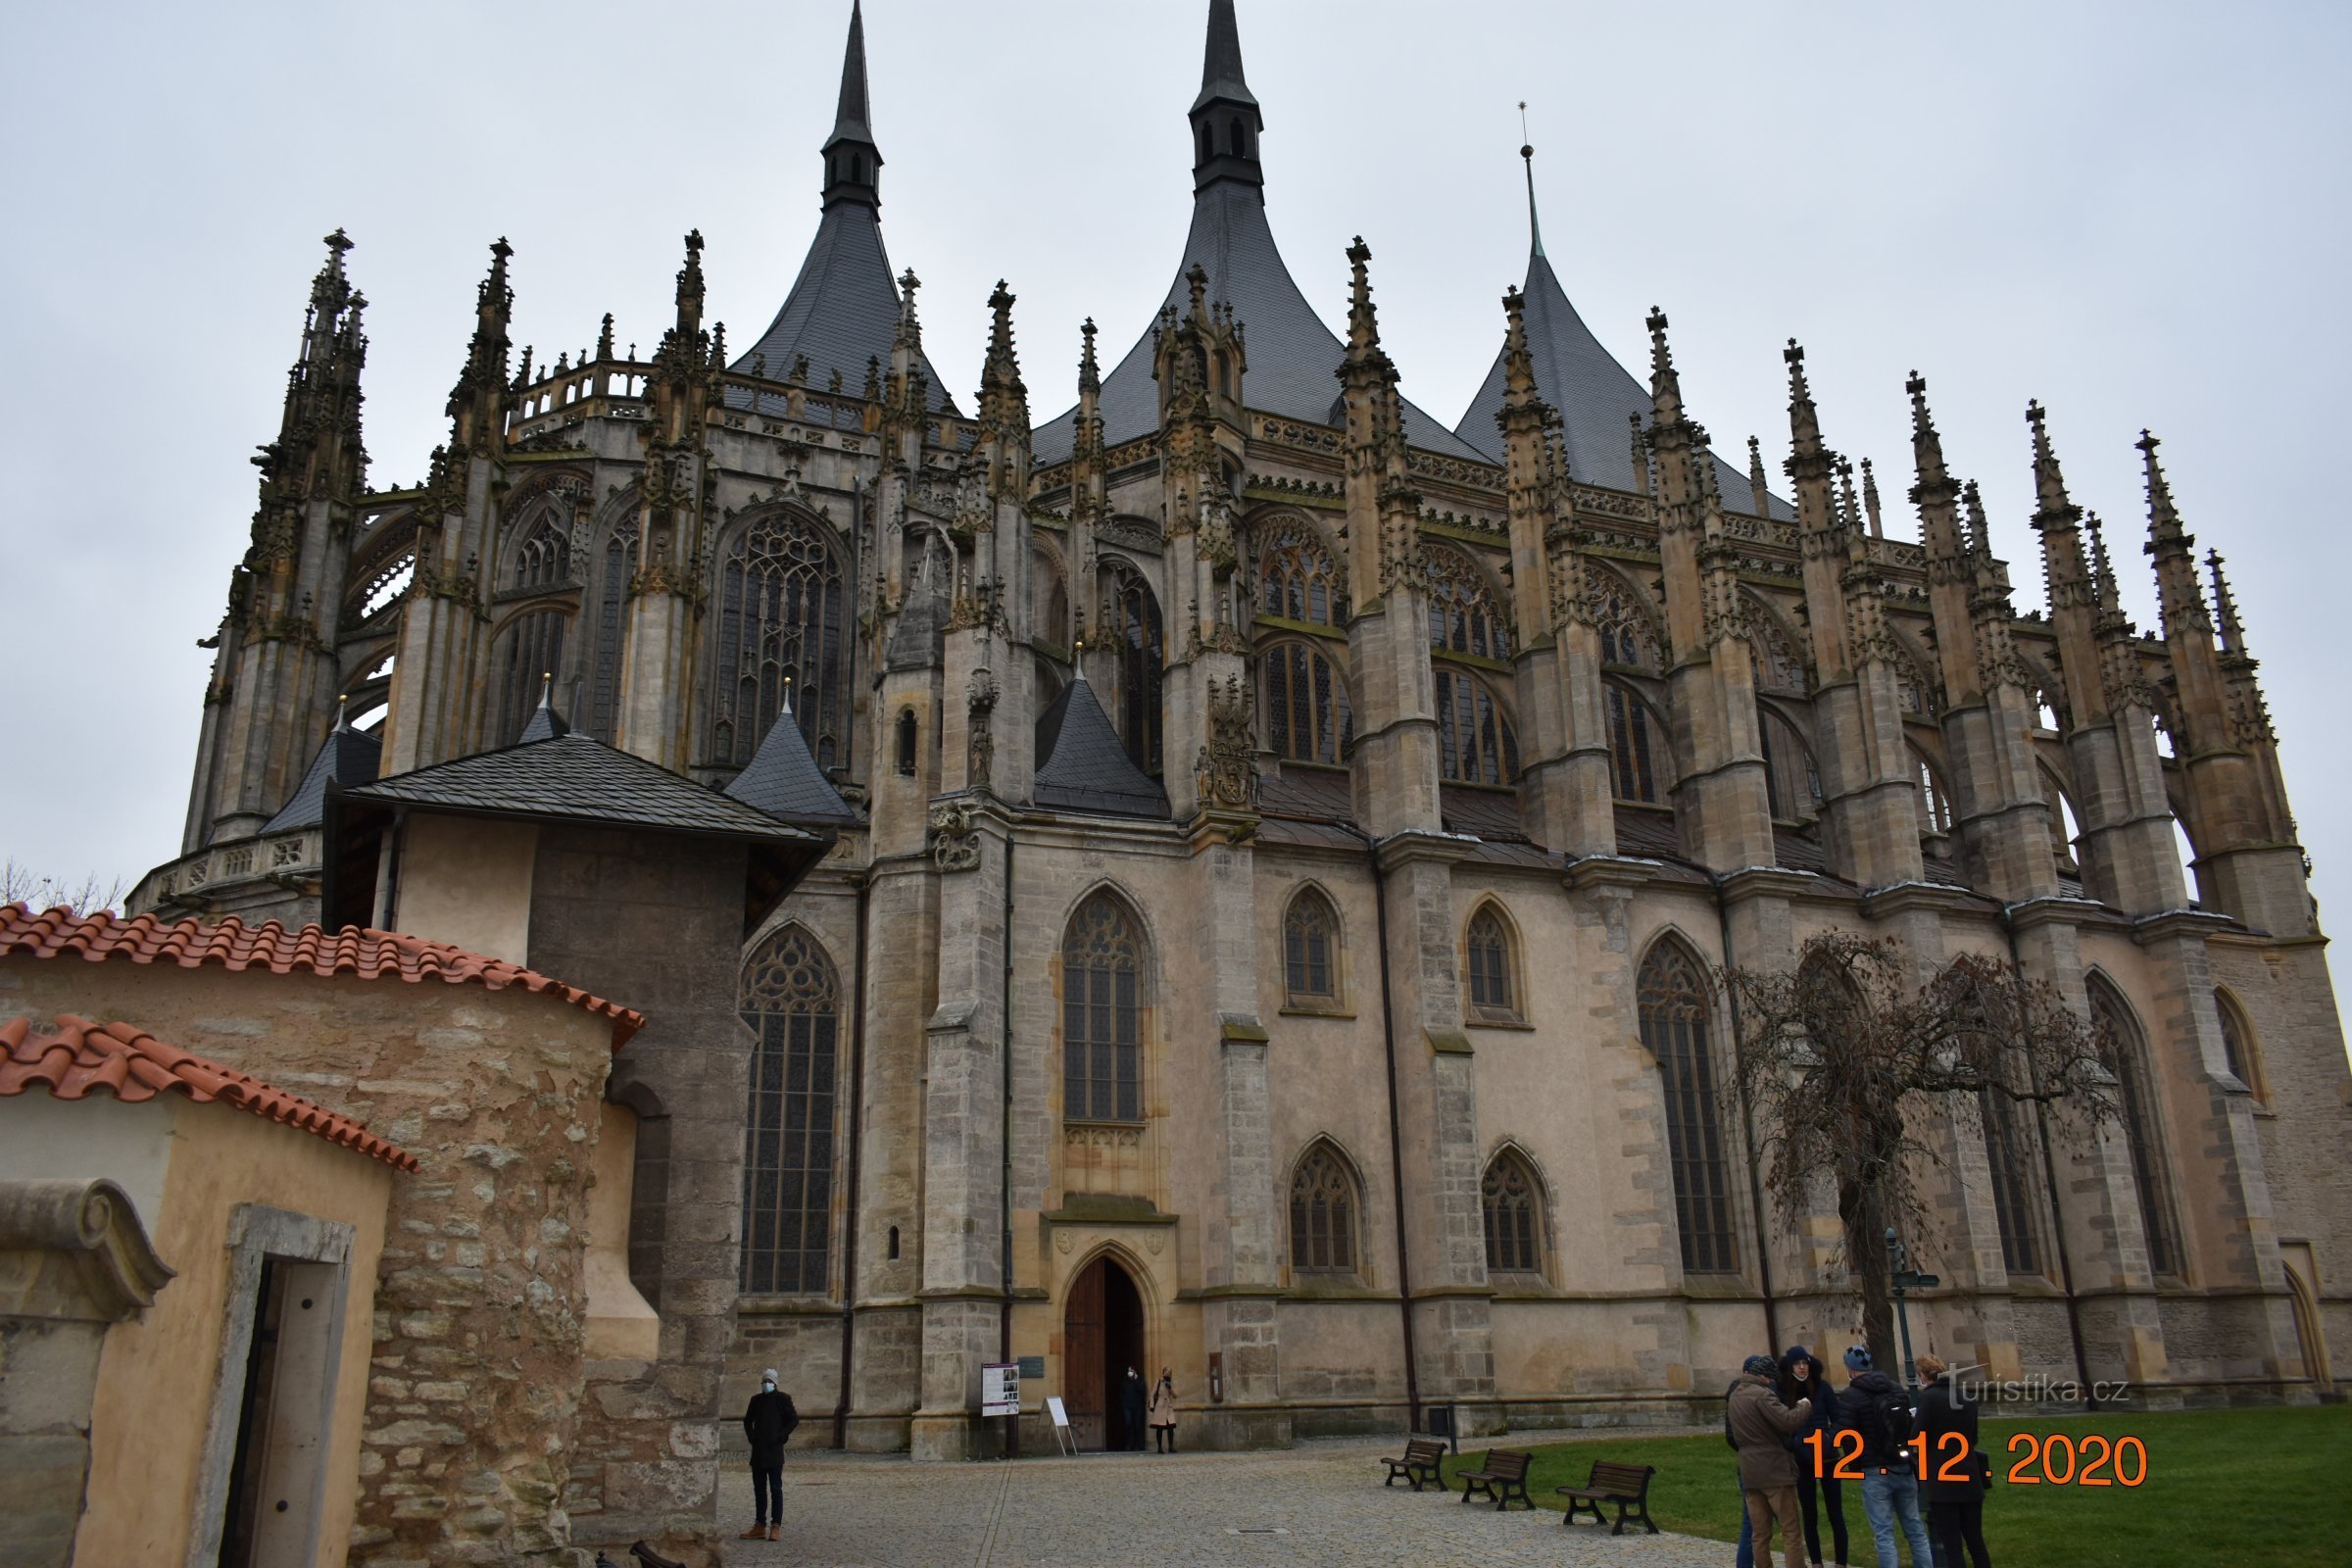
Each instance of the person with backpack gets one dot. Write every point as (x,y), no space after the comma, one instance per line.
(1955,1507)
(1881,1413)
(1761,1427)
(1802,1378)
(768,1423)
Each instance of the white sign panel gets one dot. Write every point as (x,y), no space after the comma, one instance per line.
(1000,1389)
(1062,1417)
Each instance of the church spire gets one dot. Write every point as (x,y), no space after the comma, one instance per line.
(1226,122)
(1526,155)
(852,162)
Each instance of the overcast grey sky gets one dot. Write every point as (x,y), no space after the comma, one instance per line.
(2136,213)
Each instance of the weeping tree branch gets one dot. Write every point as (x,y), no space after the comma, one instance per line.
(1842,1058)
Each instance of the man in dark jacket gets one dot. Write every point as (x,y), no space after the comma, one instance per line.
(1761,1427)
(768,1423)
(1802,1378)
(1882,1412)
(1131,1397)
(1954,1489)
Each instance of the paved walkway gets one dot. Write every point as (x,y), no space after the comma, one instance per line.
(1321,1503)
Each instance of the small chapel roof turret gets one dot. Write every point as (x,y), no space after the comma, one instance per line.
(1083,767)
(783,780)
(347,757)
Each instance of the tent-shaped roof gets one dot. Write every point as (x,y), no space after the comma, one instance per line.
(346,757)
(1084,767)
(782,779)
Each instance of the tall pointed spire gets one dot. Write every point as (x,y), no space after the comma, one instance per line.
(1526,155)
(852,162)
(1226,122)
(2225,606)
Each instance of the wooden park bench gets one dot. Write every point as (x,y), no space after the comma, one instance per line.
(1422,1456)
(1625,1484)
(1503,1477)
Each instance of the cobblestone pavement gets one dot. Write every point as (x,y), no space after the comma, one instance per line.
(1321,1503)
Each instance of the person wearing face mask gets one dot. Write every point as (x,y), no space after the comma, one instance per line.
(768,1423)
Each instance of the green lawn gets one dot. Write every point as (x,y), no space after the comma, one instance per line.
(2250,1489)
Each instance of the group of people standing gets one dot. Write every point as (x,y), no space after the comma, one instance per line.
(1136,1412)
(1785,1420)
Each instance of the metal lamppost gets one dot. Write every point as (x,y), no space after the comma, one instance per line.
(1904,1277)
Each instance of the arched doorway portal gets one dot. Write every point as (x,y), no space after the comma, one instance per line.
(1102,1335)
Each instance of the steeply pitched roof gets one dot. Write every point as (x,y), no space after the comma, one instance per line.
(308,950)
(545,723)
(1592,393)
(346,757)
(573,779)
(1294,357)
(782,779)
(1085,768)
(73,1059)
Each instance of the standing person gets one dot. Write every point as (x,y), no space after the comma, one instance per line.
(1802,1378)
(1955,1508)
(1882,1412)
(1163,1414)
(768,1423)
(1131,1412)
(1761,1427)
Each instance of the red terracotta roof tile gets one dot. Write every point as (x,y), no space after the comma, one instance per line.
(75,1057)
(233,944)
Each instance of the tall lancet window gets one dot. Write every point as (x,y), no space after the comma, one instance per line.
(783,615)
(529,648)
(1513,1209)
(1636,751)
(792,1000)
(1143,661)
(1324,1205)
(616,562)
(2124,1051)
(1674,1019)
(1102,1002)
(1308,717)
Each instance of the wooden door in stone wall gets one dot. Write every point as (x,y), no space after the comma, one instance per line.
(1085,1393)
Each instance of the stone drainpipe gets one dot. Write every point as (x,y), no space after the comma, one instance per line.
(849,1240)
(1388,1028)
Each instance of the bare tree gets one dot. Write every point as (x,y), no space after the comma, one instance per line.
(1840,1058)
(20,884)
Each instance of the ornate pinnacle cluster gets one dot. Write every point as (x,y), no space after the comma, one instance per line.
(2179,597)
(1665,386)
(1003,400)
(472,408)
(2057,518)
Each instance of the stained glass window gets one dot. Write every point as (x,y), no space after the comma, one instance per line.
(1475,743)
(1463,618)
(1101,1014)
(1630,746)
(1296,577)
(783,615)
(1310,950)
(529,648)
(1308,717)
(792,1000)
(1675,1017)
(1323,1212)
(2125,1049)
(1514,1217)
(1492,981)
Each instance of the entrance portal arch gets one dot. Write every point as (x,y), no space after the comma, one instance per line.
(1102,1336)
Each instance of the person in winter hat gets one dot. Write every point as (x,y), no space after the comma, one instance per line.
(1761,1427)
(1801,1378)
(768,1423)
(1881,1413)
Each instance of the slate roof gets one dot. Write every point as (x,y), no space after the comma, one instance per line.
(545,723)
(1085,768)
(236,946)
(1589,391)
(782,779)
(842,312)
(73,1059)
(573,779)
(346,757)
(1294,357)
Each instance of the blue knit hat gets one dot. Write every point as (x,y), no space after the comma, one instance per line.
(1760,1366)
(1857,1358)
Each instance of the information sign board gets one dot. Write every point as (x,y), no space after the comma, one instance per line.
(1000,1389)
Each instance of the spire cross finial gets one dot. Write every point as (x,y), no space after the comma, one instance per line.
(1526,155)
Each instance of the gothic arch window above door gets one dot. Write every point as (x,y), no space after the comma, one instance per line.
(782,615)
(1513,1205)
(1675,1017)
(1325,1207)
(1103,995)
(1475,742)
(791,998)
(1463,615)
(1308,717)
(2124,1049)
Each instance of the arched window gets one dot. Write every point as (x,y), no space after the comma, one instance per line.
(2239,1049)
(1103,999)
(783,613)
(1297,579)
(529,648)
(618,565)
(906,741)
(1463,618)
(1494,969)
(1675,1018)
(1143,661)
(792,1000)
(1934,805)
(1792,782)
(1308,717)
(543,557)
(1324,1207)
(1625,636)
(1913,690)
(1778,665)
(2124,1051)
(1632,747)
(1310,951)
(1475,743)
(2009,1153)
(1515,1213)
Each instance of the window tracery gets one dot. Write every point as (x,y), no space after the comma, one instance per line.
(791,998)
(783,616)
(1102,1003)
(1675,1020)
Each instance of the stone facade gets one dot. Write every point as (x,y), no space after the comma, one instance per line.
(1538,716)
